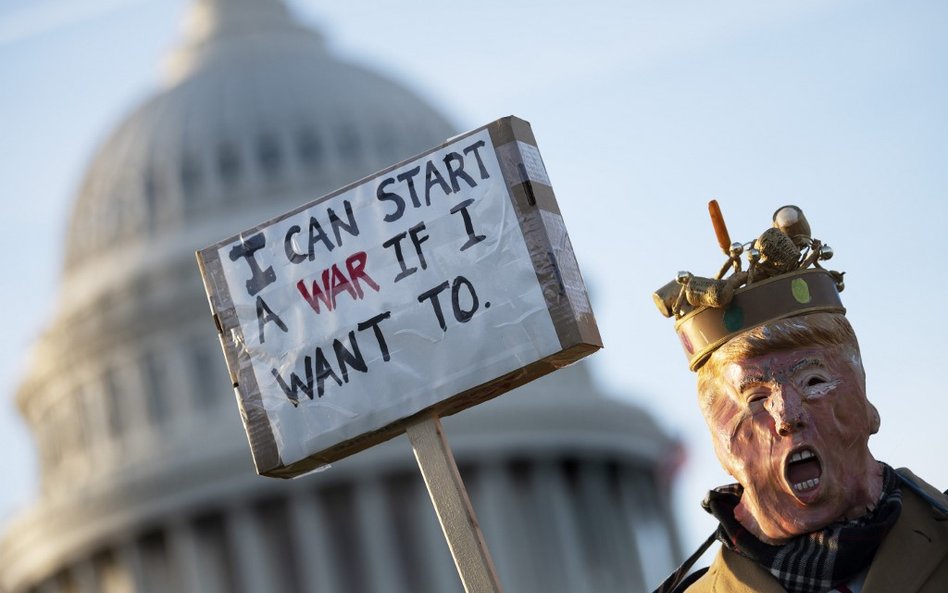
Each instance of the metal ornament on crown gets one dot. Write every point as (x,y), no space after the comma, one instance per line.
(783,279)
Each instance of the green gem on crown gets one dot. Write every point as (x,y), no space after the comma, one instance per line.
(800,290)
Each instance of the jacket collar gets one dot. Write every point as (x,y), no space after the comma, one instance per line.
(916,545)
(732,573)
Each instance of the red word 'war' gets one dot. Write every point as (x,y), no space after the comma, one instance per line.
(334,281)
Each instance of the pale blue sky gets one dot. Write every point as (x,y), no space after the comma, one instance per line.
(643,112)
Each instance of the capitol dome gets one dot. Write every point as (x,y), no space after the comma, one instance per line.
(147,483)
(256,106)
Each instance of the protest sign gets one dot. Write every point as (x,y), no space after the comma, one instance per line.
(419,291)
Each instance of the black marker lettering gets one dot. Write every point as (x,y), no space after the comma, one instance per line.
(291,253)
(396,242)
(433,178)
(432,295)
(265,315)
(379,337)
(316,233)
(350,227)
(472,239)
(259,279)
(346,358)
(324,371)
(453,174)
(480,164)
(296,384)
(459,313)
(383,195)
(409,178)
(417,239)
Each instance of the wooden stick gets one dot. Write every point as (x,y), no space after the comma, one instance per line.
(453,506)
(720,229)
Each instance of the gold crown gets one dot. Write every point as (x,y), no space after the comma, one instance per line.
(783,279)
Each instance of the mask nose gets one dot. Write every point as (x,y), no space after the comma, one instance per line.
(786,409)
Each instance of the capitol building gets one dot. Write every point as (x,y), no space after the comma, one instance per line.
(147,482)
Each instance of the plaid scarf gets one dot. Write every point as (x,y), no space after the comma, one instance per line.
(814,562)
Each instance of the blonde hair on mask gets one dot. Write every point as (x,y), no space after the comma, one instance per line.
(816,329)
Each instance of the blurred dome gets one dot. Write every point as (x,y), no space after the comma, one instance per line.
(256,106)
(256,117)
(147,479)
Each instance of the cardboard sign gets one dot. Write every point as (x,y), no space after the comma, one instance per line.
(429,287)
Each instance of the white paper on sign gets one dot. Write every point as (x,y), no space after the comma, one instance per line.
(389,297)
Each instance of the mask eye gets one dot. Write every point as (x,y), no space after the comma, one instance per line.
(816,385)
(757,399)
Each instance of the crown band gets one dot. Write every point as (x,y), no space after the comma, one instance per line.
(705,329)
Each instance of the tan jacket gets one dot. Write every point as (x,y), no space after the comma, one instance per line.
(913,558)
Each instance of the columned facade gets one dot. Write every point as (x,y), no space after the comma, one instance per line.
(147,480)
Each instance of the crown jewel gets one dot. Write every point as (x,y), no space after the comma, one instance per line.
(783,278)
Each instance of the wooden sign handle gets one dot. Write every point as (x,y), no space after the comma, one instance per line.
(453,506)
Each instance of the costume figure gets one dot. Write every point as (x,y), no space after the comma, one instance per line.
(783,391)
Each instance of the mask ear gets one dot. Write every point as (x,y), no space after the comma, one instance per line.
(874,420)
